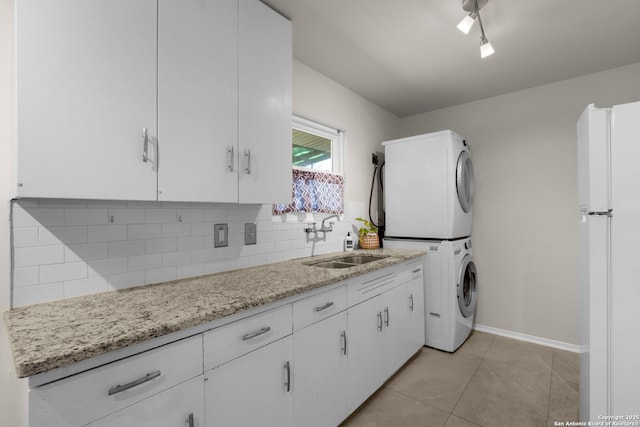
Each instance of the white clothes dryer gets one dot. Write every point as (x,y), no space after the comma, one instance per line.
(428,186)
(451,289)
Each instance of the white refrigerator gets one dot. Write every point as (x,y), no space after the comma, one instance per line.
(609,261)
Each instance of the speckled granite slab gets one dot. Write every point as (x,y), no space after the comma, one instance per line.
(57,334)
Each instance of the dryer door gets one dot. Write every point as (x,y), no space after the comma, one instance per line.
(467,292)
(464,181)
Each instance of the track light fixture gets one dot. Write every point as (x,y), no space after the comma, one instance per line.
(473,7)
(467,22)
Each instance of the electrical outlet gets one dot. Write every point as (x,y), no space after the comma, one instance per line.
(250,236)
(220,235)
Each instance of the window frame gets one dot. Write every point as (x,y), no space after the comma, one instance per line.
(337,136)
(333,133)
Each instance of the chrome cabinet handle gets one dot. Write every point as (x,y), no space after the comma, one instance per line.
(386,313)
(417,270)
(257,333)
(190,421)
(120,388)
(379,321)
(145,146)
(344,342)
(411,302)
(230,158)
(247,156)
(324,307)
(287,368)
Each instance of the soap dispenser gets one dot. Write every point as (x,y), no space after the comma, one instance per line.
(348,242)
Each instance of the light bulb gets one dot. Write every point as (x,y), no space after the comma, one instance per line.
(467,22)
(485,48)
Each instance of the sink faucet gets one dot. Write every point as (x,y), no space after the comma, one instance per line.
(330,228)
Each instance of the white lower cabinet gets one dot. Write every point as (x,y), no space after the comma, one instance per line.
(366,346)
(80,399)
(253,390)
(320,353)
(306,363)
(182,405)
(384,332)
(408,321)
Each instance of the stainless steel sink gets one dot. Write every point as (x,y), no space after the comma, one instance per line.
(360,259)
(332,264)
(347,261)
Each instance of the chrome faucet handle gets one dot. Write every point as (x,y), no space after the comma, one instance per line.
(310,228)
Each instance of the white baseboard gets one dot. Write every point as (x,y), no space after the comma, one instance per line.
(529,338)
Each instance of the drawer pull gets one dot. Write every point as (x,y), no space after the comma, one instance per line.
(411,301)
(386,314)
(344,342)
(190,420)
(324,307)
(287,367)
(119,388)
(379,321)
(417,270)
(257,333)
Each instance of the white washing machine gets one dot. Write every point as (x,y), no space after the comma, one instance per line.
(451,292)
(428,186)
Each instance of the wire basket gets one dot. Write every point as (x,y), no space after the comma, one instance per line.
(369,241)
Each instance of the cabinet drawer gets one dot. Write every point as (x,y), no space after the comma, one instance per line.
(370,285)
(171,408)
(411,270)
(90,395)
(235,339)
(318,307)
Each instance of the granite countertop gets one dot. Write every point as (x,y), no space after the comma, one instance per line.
(57,334)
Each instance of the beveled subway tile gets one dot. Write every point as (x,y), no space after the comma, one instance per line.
(501,393)
(454,421)
(389,408)
(435,377)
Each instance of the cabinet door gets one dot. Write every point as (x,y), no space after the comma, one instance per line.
(404,324)
(198,100)
(365,350)
(252,390)
(182,405)
(265,104)
(86,88)
(320,353)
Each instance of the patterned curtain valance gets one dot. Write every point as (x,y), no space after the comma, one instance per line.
(314,192)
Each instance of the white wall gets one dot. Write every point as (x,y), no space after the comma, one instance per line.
(366,125)
(525,223)
(10,399)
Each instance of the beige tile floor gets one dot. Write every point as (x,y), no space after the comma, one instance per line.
(490,381)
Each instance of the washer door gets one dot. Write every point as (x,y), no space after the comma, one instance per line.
(464,181)
(467,292)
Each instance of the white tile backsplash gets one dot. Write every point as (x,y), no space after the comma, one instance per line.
(67,248)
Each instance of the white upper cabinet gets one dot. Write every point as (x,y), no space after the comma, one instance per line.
(86,87)
(198,100)
(264,104)
(153,100)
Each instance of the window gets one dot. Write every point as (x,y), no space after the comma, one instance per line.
(316,156)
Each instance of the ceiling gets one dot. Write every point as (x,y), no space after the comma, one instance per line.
(408,57)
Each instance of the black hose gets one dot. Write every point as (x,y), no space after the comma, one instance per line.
(373,181)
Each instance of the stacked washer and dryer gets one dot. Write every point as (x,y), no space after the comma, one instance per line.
(428,192)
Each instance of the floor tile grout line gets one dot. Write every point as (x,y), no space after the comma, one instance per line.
(482,358)
(553,361)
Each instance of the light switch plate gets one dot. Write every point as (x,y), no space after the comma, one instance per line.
(220,235)
(250,236)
